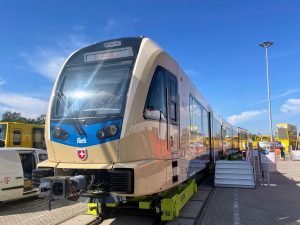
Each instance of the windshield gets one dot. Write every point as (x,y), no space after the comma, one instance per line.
(92,90)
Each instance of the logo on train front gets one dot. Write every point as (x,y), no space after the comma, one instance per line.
(82,154)
(81,141)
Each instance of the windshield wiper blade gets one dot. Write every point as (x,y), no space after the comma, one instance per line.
(62,98)
(76,124)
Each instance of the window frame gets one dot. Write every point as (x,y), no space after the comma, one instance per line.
(168,77)
(43,137)
(147,117)
(172,78)
(18,143)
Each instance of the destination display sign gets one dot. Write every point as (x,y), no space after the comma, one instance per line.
(108,54)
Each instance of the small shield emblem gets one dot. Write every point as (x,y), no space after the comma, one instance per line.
(82,154)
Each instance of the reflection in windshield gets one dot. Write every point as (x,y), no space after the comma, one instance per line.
(93,90)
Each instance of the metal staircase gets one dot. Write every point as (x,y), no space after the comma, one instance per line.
(234,174)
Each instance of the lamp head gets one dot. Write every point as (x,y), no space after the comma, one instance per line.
(266,44)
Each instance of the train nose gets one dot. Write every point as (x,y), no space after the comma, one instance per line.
(99,145)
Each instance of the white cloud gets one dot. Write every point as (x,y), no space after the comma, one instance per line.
(2,81)
(283,94)
(292,105)
(192,73)
(48,61)
(111,25)
(244,116)
(78,27)
(28,106)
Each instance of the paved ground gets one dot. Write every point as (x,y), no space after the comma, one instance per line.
(264,205)
(226,206)
(34,211)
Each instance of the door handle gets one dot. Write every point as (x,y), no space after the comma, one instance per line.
(19,177)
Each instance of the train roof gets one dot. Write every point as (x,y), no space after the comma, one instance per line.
(135,42)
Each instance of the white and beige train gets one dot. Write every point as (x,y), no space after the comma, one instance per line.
(124,118)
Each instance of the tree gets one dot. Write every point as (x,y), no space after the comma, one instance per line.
(41,119)
(9,116)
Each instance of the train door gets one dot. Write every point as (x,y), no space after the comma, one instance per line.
(162,106)
(156,113)
(173,122)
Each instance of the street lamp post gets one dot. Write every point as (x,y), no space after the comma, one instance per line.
(266,45)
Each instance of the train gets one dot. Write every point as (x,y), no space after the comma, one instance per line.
(16,134)
(125,120)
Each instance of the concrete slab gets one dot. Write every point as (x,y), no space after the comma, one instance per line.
(80,219)
(200,195)
(34,211)
(132,220)
(191,209)
(182,221)
(263,205)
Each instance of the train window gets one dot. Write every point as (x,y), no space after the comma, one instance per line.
(43,157)
(282,133)
(156,103)
(94,90)
(173,90)
(196,117)
(205,129)
(2,135)
(173,99)
(17,137)
(38,137)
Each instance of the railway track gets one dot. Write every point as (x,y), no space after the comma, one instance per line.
(34,211)
(131,216)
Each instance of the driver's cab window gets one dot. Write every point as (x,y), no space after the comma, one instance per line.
(156,100)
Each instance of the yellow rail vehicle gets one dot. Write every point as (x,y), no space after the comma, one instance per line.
(255,139)
(287,135)
(243,138)
(14,134)
(265,138)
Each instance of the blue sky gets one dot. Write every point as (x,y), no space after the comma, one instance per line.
(215,42)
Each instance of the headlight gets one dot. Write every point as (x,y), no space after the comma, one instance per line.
(107,132)
(112,130)
(59,133)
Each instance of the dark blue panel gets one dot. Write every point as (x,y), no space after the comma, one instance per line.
(91,130)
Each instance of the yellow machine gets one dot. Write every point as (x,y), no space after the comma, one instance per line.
(255,139)
(243,138)
(13,134)
(265,138)
(287,135)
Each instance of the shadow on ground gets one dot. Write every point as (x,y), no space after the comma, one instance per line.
(264,205)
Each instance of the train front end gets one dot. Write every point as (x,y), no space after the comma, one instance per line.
(84,123)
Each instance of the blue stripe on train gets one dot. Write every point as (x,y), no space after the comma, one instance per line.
(91,130)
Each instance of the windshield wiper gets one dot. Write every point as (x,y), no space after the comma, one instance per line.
(62,98)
